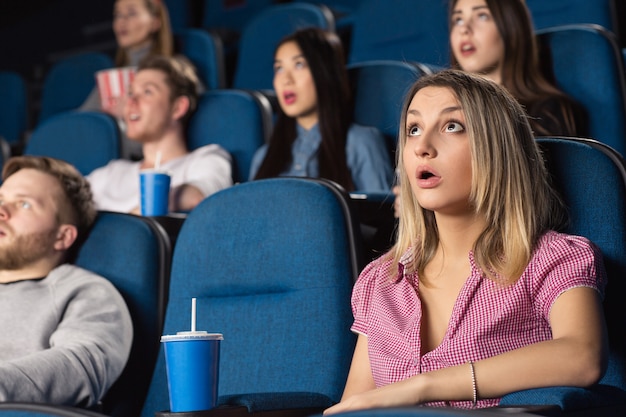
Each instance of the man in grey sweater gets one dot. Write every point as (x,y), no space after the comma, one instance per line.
(65,333)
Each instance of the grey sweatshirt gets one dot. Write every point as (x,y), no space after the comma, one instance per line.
(64,339)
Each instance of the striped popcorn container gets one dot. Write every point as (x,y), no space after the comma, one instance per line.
(113,83)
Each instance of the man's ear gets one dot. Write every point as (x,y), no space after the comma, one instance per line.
(180,107)
(66,235)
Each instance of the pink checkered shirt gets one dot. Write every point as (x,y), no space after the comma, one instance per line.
(487,319)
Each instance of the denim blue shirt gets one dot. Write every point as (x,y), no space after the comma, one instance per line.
(368,158)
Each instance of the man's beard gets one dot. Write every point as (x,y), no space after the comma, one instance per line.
(26,249)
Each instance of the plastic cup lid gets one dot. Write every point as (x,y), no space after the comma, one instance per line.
(197,335)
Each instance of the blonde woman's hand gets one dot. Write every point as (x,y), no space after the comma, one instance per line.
(399,394)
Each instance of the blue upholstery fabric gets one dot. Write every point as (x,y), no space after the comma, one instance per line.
(240,121)
(550,13)
(587,65)
(591,179)
(261,36)
(379,89)
(569,398)
(343,11)
(234,16)
(205,53)
(134,253)
(87,140)
(271,263)
(180,14)
(13,107)
(69,82)
(408,31)
(277,400)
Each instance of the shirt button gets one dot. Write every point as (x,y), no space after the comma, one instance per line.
(298,167)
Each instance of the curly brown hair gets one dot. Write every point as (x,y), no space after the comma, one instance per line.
(76,205)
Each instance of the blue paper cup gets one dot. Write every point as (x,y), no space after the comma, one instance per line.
(154,189)
(192,364)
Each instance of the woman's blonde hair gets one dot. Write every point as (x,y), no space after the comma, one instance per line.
(510,184)
(162,39)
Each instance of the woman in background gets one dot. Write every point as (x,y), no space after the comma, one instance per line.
(314,135)
(142,29)
(495,39)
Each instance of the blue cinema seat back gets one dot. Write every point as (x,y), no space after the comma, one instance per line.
(220,15)
(13,107)
(408,31)
(205,52)
(87,140)
(134,253)
(70,81)
(261,35)
(550,13)
(591,179)
(180,13)
(343,11)
(379,89)
(276,281)
(586,62)
(240,121)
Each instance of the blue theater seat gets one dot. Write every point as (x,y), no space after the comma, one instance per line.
(591,179)
(87,140)
(240,121)
(271,263)
(379,89)
(205,51)
(255,62)
(406,31)
(134,253)
(587,64)
(549,13)
(69,82)
(13,107)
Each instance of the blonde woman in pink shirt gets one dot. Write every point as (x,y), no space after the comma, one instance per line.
(480,296)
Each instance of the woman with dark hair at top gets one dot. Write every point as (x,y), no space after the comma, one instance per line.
(314,135)
(480,296)
(495,39)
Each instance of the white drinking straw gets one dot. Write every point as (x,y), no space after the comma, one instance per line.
(193,314)
(157,162)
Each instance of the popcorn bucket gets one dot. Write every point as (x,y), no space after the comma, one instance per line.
(114,84)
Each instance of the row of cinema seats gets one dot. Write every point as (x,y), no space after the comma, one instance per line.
(277,283)
(379,88)
(70,80)
(380,30)
(584,60)
(90,140)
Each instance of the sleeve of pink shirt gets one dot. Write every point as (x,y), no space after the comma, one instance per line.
(563,262)
(362,293)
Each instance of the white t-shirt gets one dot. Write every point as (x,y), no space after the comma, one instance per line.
(115,186)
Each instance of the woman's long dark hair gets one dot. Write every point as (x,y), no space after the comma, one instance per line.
(324,54)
